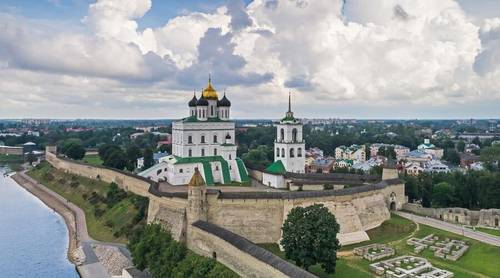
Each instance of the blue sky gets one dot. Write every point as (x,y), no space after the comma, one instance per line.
(352,59)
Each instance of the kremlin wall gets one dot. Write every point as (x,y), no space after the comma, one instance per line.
(228,225)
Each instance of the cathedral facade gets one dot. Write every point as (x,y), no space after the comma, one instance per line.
(205,140)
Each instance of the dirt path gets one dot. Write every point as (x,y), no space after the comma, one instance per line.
(44,194)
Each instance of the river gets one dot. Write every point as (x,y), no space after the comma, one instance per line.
(33,238)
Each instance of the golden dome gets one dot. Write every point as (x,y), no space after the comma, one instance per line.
(209,92)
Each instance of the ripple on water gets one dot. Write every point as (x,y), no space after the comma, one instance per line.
(33,238)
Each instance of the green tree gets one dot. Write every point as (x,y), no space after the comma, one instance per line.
(452,156)
(491,155)
(310,237)
(30,158)
(442,195)
(116,160)
(133,153)
(258,157)
(148,158)
(106,150)
(461,146)
(75,151)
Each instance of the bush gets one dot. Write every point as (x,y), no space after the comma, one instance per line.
(48,176)
(115,195)
(74,184)
(94,198)
(98,212)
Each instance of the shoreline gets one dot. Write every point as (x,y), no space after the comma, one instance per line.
(47,197)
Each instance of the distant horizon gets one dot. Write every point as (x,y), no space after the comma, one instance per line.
(379,59)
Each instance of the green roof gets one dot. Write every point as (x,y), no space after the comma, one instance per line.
(197,159)
(276,168)
(194,119)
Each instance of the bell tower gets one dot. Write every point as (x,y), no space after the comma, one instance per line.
(289,146)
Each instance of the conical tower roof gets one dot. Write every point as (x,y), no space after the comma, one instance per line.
(197,179)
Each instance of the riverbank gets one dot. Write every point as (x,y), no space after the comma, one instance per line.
(59,205)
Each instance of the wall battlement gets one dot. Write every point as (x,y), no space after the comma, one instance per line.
(255,216)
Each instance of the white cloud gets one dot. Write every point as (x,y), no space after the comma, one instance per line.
(409,53)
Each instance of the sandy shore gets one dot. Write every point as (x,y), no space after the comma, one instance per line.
(58,204)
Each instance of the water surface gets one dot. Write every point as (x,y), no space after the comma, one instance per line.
(33,238)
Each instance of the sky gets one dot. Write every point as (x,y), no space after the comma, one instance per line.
(144,59)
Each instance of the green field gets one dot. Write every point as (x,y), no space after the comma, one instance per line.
(481,260)
(345,267)
(489,231)
(104,223)
(92,159)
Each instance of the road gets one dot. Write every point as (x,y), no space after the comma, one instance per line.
(453,228)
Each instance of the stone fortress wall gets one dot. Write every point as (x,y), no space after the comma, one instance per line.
(250,217)
(484,217)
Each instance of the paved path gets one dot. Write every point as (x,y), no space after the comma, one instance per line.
(453,228)
(74,217)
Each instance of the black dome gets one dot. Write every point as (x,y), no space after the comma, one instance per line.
(202,102)
(192,102)
(224,102)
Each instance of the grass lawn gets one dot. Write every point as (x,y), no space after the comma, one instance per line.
(480,260)
(391,230)
(104,223)
(489,231)
(92,159)
(344,268)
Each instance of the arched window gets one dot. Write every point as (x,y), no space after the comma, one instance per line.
(181,171)
(211,110)
(203,139)
(216,168)
(299,152)
(292,154)
(294,135)
(190,139)
(230,157)
(190,153)
(202,152)
(215,152)
(282,134)
(215,138)
(282,152)
(278,152)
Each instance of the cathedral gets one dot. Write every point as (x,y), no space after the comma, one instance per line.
(205,140)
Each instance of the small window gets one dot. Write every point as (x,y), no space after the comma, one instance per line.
(202,152)
(181,171)
(190,152)
(299,152)
(292,154)
(190,139)
(212,110)
(215,152)
(215,138)
(159,171)
(203,139)
(278,152)
(216,168)
(230,157)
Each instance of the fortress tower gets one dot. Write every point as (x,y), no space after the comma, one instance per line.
(289,146)
(197,199)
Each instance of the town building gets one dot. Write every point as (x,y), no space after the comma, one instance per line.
(466,159)
(354,152)
(430,148)
(156,158)
(205,140)
(398,149)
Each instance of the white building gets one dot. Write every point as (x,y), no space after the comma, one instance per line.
(354,152)
(430,148)
(289,150)
(204,140)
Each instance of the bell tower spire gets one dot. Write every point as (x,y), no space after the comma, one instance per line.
(289,113)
